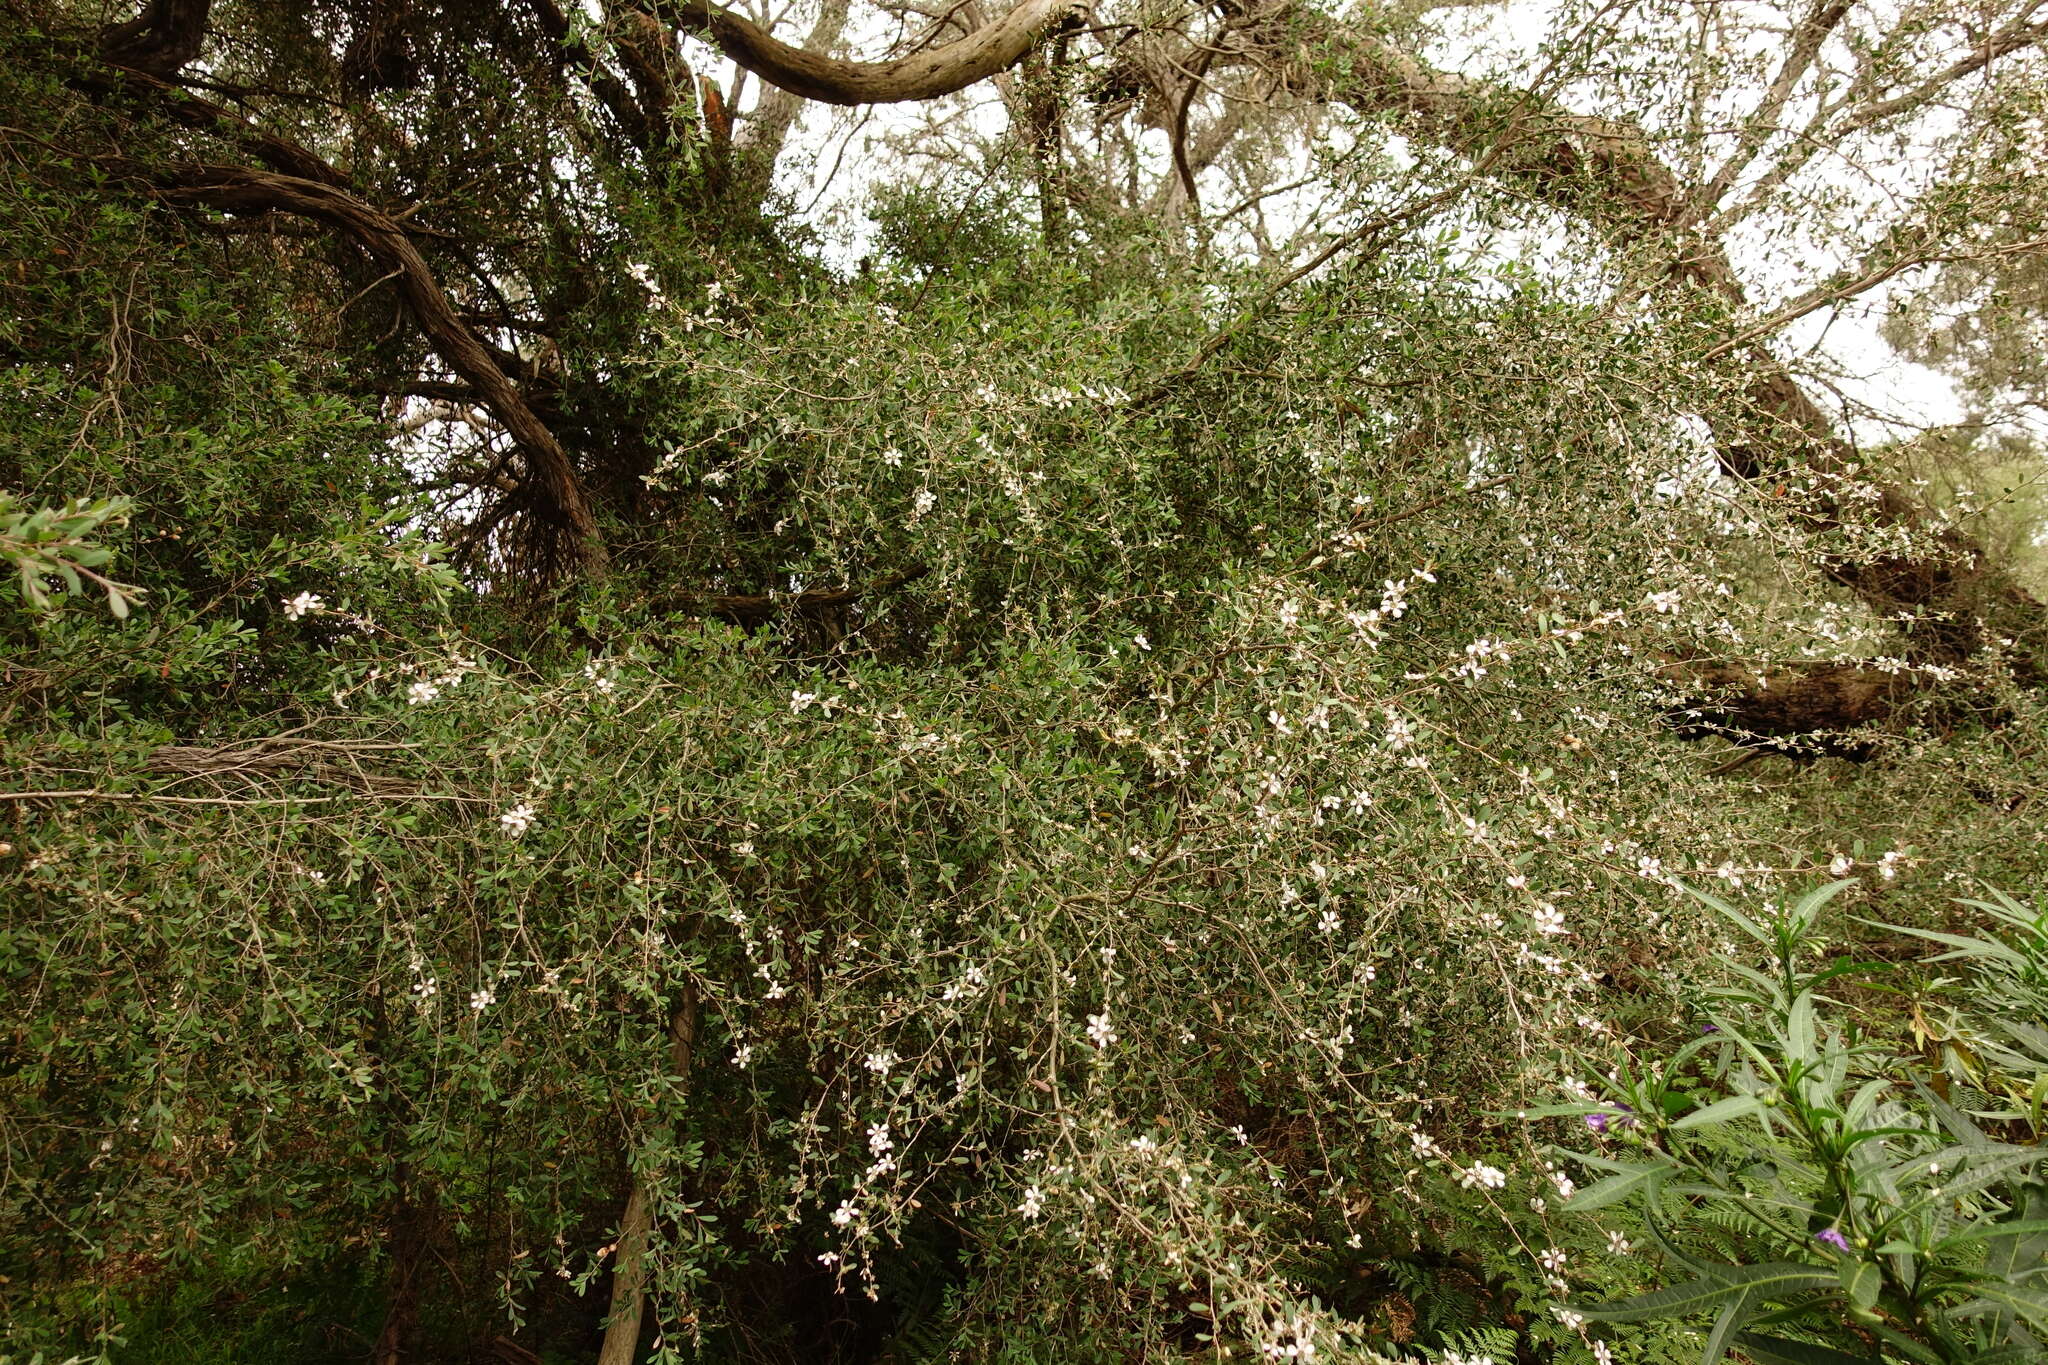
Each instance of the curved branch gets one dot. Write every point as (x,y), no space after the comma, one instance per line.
(920,76)
(237,189)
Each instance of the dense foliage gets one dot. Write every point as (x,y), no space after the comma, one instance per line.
(1077,779)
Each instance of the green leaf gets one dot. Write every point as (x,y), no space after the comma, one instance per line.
(1860,1281)
(1778,1351)
(1770,1280)
(1722,1111)
(1616,1188)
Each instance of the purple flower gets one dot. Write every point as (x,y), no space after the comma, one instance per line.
(1600,1119)
(1709,1028)
(1832,1237)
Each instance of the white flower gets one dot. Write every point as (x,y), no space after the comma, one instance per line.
(1518,882)
(743,1055)
(893,458)
(923,501)
(306,603)
(1572,1321)
(1330,923)
(420,693)
(1143,1144)
(1618,1244)
(1602,1353)
(1840,865)
(1483,1176)
(879,1140)
(718,478)
(1553,1259)
(1548,919)
(1649,866)
(1665,603)
(1888,865)
(481,1000)
(744,848)
(518,820)
(845,1213)
(799,701)
(1141,642)
(1034,1200)
(1290,613)
(1099,1032)
(880,1062)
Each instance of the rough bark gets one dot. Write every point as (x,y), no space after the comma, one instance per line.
(162,40)
(1803,709)
(775,113)
(924,75)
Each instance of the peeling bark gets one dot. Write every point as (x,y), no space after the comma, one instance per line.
(925,75)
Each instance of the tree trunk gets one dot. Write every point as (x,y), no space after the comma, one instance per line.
(636,1224)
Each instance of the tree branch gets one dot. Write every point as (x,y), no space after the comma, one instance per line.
(921,76)
(236,189)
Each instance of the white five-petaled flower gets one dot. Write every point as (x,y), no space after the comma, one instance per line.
(923,501)
(1548,919)
(481,1000)
(1553,1259)
(518,820)
(845,1213)
(1664,603)
(880,1062)
(1840,865)
(1618,1244)
(1141,642)
(1099,1031)
(1603,1354)
(1888,865)
(879,1140)
(1034,1200)
(743,1055)
(305,604)
(893,458)
(1483,1176)
(1330,923)
(422,692)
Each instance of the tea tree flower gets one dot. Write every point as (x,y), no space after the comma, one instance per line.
(518,820)
(1099,1031)
(305,604)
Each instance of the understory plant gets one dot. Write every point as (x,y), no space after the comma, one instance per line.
(1810,1196)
